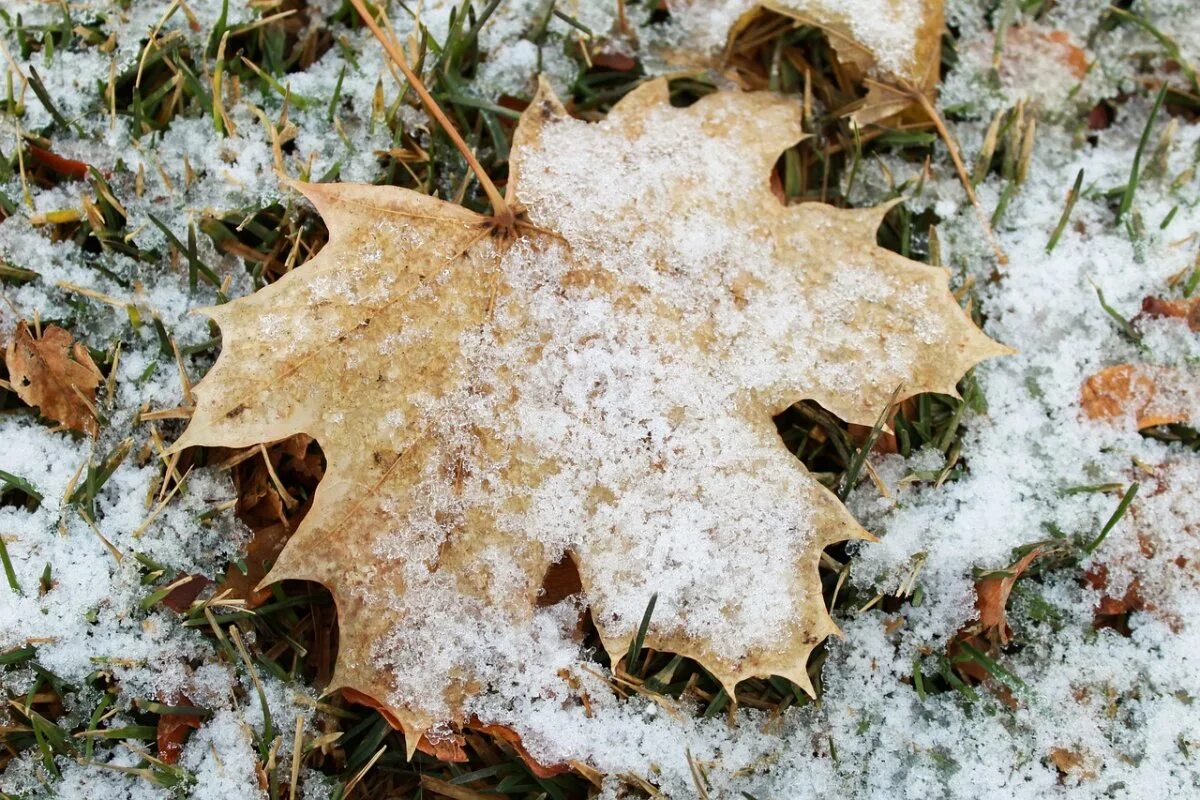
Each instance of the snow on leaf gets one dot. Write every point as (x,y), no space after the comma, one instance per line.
(600,387)
(54,375)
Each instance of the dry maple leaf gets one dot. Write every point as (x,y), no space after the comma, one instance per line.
(602,386)
(54,375)
(1148,395)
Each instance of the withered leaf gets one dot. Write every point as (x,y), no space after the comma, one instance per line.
(1187,309)
(895,45)
(992,630)
(1148,395)
(56,376)
(599,388)
(991,599)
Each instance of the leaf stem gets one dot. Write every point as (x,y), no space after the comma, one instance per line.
(500,209)
(955,156)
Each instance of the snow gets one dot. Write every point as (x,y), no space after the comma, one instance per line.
(1121,707)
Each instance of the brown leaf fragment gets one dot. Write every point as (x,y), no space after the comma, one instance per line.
(1146,395)
(1072,764)
(1187,309)
(451,748)
(173,731)
(1022,41)
(992,630)
(618,62)
(991,599)
(56,376)
(181,597)
(1112,609)
(265,546)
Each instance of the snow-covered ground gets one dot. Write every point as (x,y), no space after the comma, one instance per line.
(1094,713)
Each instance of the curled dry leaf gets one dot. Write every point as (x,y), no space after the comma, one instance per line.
(992,630)
(56,376)
(1146,395)
(894,44)
(599,387)
(991,599)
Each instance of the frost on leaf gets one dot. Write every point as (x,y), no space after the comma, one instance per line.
(602,386)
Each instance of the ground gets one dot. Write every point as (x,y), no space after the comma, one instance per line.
(1020,628)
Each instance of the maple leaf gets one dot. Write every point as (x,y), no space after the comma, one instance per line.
(602,385)
(59,378)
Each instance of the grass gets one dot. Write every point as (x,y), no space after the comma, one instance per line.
(293,635)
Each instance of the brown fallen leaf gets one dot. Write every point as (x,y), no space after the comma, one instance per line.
(1153,562)
(1071,763)
(1112,609)
(265,546)
(56,376)
(1147,395)
(991,631)
(172,731)
(263,509)
(180,598)
(1187,309)
(1054,45)
(601,386)
(991,599)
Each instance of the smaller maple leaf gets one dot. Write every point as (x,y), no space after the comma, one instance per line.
(56,376)
(599,387)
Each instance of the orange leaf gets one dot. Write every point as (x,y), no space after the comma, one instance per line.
(54,375)
(1151,395)
(61,165)
(991,598)
(1159,307)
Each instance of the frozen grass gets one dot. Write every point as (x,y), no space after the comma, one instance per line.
(137,180)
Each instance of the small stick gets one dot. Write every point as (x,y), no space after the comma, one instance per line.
(500,210)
